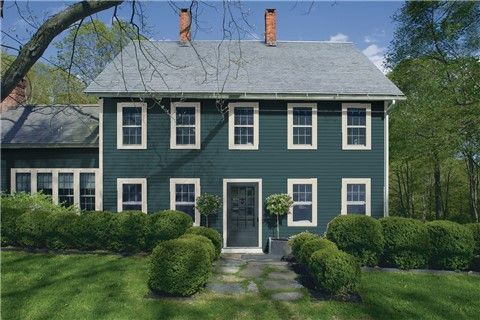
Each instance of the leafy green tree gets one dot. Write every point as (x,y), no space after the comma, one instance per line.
(279,205)
(208,204)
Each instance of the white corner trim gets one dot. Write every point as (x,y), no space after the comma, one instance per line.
(386,164)
(120,107)
(173,125)
(99,176)
(231,126)
(260,208)
(367,183)
(368,123)
(121,182)
(173,203)
(291,145)
(304,223)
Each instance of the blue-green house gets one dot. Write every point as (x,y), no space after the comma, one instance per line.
(242,120)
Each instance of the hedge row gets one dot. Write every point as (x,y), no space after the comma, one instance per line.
(407,243)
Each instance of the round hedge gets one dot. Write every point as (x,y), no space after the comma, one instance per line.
(211,234)
(179,267)
(451,245)
(296,242)
(207,243)
(335,271)
(407,243)
(167,225)
(358,235)
(96,230)
(310,246)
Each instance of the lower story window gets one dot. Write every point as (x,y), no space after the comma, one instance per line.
(304,209)
(183,193)
(65,189)
(44,183)
(132,194)
(356,196)
(87,191)
(23,182)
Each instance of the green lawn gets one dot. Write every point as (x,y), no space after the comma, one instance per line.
(46,286)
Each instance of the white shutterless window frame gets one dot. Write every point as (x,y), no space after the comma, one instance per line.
(120,108)
(231,126)
(368,126)
(304,223)
(174,125)
(173,202)
(290,126)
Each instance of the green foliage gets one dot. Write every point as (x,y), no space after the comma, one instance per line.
(451,244)
(475,228)
(167,225)
(358,235)
(207,243)
(96,230)
(310,246)
(211,234)
(296,242)
(179,267)
(279,204)
(407,243)
(130,231)
(208,204)
(34,229)
(335,271)
(63,227)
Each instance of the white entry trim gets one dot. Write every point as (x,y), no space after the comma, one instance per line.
(260,213)
(121,182)
(194,181)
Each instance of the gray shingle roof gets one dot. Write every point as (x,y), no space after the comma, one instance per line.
(48,126)
(242,67)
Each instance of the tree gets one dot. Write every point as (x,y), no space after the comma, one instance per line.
(279,205)
(208,204)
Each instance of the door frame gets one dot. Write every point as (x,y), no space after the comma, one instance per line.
(260,217)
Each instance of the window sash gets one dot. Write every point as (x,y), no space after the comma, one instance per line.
(23,182)
(244,121)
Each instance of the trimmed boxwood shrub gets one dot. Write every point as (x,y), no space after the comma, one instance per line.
(34,229)
(407,243)
(96,230)
(167,225)
(358,235)
(179,267)
(211,234)
(452,245)
(335,271)
(207,243)
(62,233)
(130,228)
(311,246)
(297,241)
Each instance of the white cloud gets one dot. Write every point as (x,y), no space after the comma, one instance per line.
(369,39)
(339,37)
(376,54)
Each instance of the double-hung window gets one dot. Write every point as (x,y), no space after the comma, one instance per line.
(87,191)
(65,189)
(132,194)
(243,126)
(356,126)
(131,125)
(183,195)
(304,209)
(185,125)
(23,182)
(356,196)
(44,183)
(302,126)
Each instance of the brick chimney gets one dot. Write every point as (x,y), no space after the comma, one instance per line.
(185,24)
(17,97)
(271,27)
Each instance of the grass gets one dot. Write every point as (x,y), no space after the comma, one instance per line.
(47,286)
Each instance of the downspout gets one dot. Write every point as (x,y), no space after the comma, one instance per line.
(388,108)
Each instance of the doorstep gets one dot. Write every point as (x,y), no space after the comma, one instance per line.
(243,250)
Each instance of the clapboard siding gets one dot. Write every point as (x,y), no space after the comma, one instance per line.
(46,158)
(272,163)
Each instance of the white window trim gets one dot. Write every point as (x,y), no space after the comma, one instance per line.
(120,107)
(291,145)
(368,123)
(173,125)
(231,126)
(55,171)
(305,223)
(194,181)
(367,183)
(121,182)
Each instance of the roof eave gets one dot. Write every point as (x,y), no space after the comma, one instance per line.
(47,145)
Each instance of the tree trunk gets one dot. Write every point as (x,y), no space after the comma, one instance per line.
(473,186)
(36,46)
(206,221)
(278,228)
(438,190)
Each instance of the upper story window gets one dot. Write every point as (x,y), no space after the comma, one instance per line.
(183,194)
(302,126)
(131,125)
(132,194)
(356,196)
(87,191)
(23,182)
(65,189)
(44,183)
(243,126)
(356,126)
(185,125)
(304,195)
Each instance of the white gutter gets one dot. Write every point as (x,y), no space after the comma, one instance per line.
(386,155)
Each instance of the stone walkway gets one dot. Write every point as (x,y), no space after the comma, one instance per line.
(239,274)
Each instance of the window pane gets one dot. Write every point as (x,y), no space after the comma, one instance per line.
(132,116)
(185,135)
(243,116)
(302,212)
(356,208)
(132,196)
(44,183)
(356,136)
(132,135)
(302,135)
(187,208)
(185,193)
(87,191)
(302,116)
(302,192)
(356,116)
(356,192)
(243,135)
(22,182)
(65,189)
(185,116)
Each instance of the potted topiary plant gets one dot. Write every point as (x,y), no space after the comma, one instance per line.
(208,204)
(278,205)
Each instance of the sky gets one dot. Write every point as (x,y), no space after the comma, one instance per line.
(367,24)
